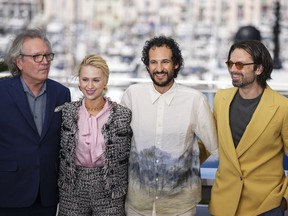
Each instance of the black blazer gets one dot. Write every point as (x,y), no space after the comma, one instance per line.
(28,162)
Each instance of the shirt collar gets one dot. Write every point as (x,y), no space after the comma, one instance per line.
(167,96)
(26,89)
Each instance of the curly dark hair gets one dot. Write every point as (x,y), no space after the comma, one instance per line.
(163,41)
(260,56)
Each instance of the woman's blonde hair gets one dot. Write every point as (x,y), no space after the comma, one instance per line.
(95,61)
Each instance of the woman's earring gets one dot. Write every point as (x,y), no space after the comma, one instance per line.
(105,89)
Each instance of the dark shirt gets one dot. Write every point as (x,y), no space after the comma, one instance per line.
(241,112)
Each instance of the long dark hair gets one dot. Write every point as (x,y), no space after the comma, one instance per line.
(260,56)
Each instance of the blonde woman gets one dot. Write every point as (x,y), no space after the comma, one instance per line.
(95,147)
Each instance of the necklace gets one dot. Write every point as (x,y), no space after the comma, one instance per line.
(96,108)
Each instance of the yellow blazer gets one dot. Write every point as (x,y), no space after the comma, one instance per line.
(250,179)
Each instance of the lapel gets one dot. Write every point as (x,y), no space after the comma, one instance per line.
(259,121)
(18,95)
(50,107)
(228,144)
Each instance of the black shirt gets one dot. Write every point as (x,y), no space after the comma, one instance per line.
(241,112)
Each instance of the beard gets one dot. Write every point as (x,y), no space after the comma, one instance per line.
(244,81)
(162,83)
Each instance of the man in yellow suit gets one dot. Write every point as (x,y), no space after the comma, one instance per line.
(252,123)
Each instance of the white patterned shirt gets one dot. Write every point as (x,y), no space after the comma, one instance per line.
(164,169)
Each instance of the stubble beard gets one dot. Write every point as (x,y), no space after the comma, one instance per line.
(243,83)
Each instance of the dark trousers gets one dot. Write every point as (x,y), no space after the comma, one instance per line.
(273,212)
(35,210)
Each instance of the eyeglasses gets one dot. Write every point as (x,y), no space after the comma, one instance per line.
(39,57)
(239,65)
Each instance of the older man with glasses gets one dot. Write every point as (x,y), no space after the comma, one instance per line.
(30,129)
